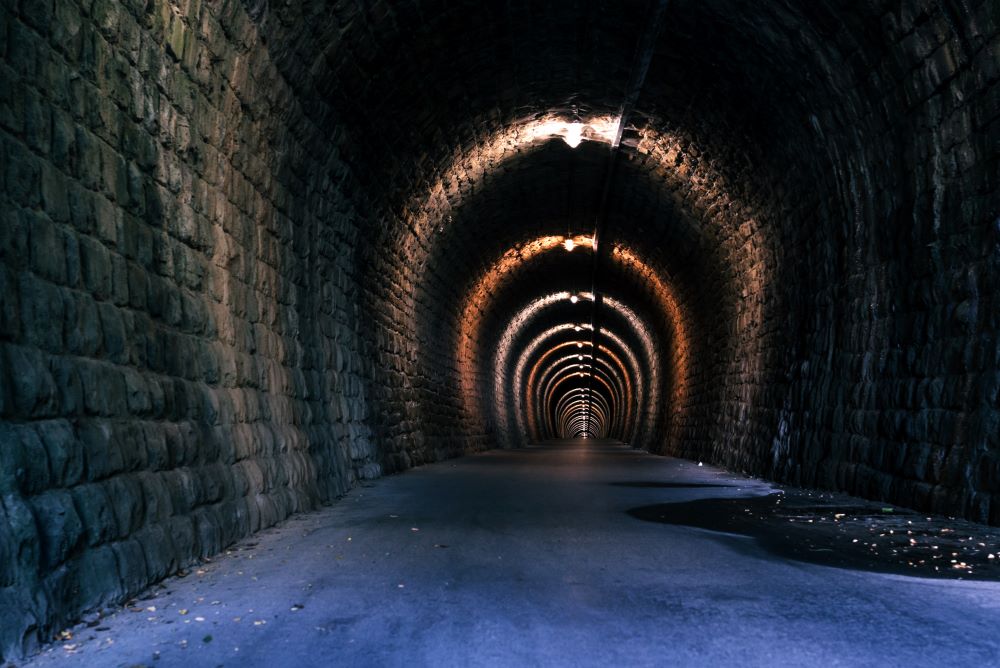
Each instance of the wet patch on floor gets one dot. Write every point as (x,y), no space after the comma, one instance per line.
(833,530)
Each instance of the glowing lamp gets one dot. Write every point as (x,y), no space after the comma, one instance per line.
(574,134)
(579,345)
(574,299)
(569,244)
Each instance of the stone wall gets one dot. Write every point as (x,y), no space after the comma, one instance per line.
(877,351)
(180,366)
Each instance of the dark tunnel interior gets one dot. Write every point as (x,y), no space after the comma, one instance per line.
(254,252)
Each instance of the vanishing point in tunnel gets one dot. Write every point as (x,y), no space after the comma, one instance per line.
(679,320)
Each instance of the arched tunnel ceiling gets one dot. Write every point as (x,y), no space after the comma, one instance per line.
(736,212)
(745,203)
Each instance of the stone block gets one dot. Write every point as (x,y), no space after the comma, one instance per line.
(64,452)
(66,28)
(59,526)
(21,614)
(10,107)
(209,485)
(32,388)
(37,122)
(157,398)
(156,446)
(47,250)
(137,391)
(84,336)
(95,262)
(137,287)
(69,387)
(101,455)
(93,579)
(71,251)
(22,175)
(8,558)
(127,502)
(41,313)
(14,239)
(119,280)
(158,503)
(106,220)
(182,535)
(132,444)
(55,199)
(27,457)
(177,37)
(10,310)
(131,562)
(183,488)
(114,177)
(114,342)
(158,552)
(208,532)
(96,511)
(88,159)
(103,390)
(81,210)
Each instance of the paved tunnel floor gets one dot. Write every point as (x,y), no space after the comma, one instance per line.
(530,557)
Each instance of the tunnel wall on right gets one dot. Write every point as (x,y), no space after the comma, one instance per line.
(869,362)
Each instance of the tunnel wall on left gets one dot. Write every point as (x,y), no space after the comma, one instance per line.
(177,367)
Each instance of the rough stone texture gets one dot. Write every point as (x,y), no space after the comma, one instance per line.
(251,251)
(179,355)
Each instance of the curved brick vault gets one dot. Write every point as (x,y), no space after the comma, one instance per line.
(253,251)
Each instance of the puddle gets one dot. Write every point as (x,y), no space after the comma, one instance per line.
(826,530)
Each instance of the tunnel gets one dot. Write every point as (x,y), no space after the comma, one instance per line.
(257,255)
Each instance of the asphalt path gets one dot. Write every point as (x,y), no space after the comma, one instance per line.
(531,558)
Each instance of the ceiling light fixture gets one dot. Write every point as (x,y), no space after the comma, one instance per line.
(574,134)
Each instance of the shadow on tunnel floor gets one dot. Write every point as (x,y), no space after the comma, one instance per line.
(822,529)
(652,484)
